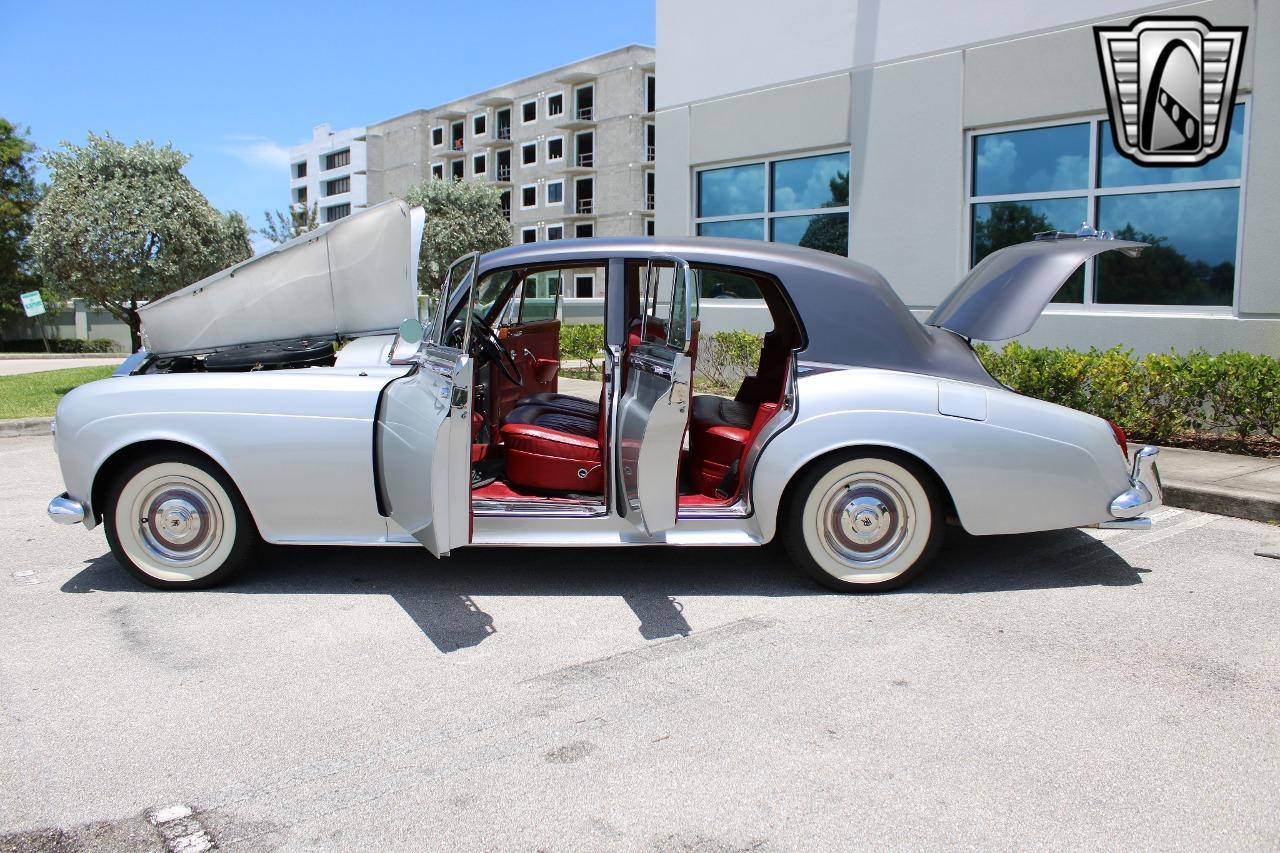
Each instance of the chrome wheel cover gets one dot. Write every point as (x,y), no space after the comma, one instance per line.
(179,522)
(865,520)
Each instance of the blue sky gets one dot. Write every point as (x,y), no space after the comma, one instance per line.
(234,84)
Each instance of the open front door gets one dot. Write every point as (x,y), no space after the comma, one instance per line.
(653,412)
(423,449)
(422,438)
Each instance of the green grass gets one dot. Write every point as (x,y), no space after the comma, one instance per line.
(36,395)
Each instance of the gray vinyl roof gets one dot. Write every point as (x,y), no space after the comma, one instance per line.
(847,312)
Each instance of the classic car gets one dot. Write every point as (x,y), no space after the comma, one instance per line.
(313,396)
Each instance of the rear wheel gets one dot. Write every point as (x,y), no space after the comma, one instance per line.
(176,521)
(860,523)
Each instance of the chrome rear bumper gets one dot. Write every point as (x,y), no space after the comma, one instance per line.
(1144,493)
(66,510)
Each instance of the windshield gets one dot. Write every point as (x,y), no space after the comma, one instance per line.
(457,281)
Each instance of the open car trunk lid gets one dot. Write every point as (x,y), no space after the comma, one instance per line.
(1003,295)
(358,275)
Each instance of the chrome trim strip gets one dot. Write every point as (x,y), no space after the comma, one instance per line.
(547,509)
(655,366)
(66,510)
(1144,493)
(737,509)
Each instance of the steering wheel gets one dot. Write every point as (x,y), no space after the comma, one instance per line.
(486,339)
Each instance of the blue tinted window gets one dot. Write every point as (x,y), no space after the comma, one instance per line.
(1003,223)
(1191,260)
(725,192)
(1030,161)
(1117,171)
(750,229)
(827,231)
(811,182)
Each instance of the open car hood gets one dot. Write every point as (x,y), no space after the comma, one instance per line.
(358,275)
(1003,295)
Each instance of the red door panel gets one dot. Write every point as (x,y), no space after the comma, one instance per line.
(536,350)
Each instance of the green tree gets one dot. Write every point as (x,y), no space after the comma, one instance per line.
(19,195)
(283,227)
(235,236)
(830,232)
(120,225)
(1006,223)
(462,217)
(1161,275)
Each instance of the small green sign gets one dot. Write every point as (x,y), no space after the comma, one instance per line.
(32,303)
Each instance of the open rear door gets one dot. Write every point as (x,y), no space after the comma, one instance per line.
(653,412)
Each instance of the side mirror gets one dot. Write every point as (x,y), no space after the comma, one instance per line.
(411,331)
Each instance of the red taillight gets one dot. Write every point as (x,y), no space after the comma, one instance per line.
(1121,438)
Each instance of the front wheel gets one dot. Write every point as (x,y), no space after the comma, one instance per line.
(176,521)
(862,523)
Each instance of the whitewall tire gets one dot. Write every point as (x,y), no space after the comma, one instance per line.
(176,521)
(863,522)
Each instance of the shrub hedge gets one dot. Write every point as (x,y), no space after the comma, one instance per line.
(1159,397)
(60,345)
(1156,397)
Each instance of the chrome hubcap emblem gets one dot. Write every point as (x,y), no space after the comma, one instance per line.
(865,520)
(178,522)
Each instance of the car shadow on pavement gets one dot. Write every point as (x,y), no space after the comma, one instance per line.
(440,595)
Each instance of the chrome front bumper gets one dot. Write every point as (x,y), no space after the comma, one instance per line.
(66,510)
(1144,493)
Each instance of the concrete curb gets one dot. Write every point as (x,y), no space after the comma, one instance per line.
(24,356)
(1219,500)
(25,426)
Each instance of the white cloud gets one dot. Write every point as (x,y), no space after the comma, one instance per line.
(997,160)
(257,151)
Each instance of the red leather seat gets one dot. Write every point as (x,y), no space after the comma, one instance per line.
(719,435)
(549,449)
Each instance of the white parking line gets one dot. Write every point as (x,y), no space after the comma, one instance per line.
(180,829)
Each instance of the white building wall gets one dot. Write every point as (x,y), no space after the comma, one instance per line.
(325,141)
(901,85)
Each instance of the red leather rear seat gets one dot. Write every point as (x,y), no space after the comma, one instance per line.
(721,432)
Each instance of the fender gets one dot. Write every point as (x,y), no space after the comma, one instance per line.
(1027,466)
(301,459)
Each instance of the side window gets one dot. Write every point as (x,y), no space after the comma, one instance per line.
(540,296)
(676,326)
(664,305)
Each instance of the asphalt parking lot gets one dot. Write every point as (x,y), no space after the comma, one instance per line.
(1103,689)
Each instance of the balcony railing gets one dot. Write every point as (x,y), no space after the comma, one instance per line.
(586,159)
(648,201)
(586,114)
(506,213)
(504,131)
(649,152)
(504,173)
(586,205)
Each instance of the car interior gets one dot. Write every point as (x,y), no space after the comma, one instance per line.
(534,443)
